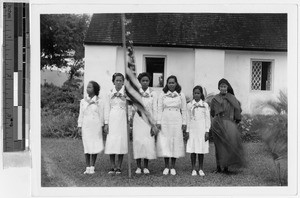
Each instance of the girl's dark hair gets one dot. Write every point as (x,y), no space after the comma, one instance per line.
(224,81)
(117,74)
(177,88)
(141,75)
(201,91)
(96,87)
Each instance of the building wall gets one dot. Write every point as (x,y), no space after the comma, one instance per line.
(100,65)
(183,67)
(209,68)
(238,73)
(192,67)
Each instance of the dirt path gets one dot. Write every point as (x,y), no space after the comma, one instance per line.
(55,174)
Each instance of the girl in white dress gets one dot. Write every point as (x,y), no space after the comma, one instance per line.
(198,125)
(172,122)
(115,124)
(143,139)
(90,122)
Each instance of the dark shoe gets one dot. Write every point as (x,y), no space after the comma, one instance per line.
(225,170)
(111,171)
(118,171)
(218,170)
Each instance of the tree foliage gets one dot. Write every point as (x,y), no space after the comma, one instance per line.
(60,108)
(62,37)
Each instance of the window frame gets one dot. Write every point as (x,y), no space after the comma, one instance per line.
(144,68)
(272,67)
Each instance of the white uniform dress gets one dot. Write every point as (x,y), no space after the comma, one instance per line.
(143,142)
(198,122)
(91,120)
(171,116)
(115,117)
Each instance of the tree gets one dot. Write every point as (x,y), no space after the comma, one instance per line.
(62,37)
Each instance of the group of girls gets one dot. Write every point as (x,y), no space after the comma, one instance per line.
(174,120)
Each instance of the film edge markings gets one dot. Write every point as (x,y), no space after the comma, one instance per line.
(16,76)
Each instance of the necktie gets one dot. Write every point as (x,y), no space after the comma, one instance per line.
(117,95)
(194,107)
(90,101)
(172,95)
(145,95)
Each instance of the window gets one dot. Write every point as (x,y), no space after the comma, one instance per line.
(155,67)
(261,75)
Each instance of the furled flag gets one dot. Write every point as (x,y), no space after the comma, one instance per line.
(132,85)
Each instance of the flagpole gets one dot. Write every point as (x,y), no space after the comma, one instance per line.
(128,126)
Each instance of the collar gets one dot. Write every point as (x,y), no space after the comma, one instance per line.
(113,91)
(94,99)
(197,103)
(174,93)
(147,91)
(219,98)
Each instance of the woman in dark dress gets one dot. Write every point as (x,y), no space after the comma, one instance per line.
(226,113)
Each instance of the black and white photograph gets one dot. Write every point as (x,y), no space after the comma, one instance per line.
(213,84)
(163,99)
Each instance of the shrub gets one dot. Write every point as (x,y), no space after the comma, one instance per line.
(62,125)
(274,133)
(60,108)
(246,129)
(48,94)
(251,127)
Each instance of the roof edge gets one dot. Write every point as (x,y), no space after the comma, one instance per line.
(189,46)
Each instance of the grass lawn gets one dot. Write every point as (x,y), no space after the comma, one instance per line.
(63,165)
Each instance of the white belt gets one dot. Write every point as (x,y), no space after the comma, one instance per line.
(114,107)
(171,109)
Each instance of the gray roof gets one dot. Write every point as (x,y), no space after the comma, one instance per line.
(265,32)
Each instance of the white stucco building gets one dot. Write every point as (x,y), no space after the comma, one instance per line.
(249,50)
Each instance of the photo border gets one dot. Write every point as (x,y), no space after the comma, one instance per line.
(38,7)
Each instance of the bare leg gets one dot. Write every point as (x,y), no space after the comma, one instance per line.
(200,158)
(87,159)
(146,163)
(173,161)
(94,157)
(112,161)
(166,162)
(138,163)
(193,160)
(120,160)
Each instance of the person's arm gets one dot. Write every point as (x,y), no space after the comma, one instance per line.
(159,110)
(154,106)
(106,109)
(236,105)
(207,121)
(233,101)
(80,117)
(101,111)
(106,113)
(238,115)
(183,111)
(188,120)
(212,107)
(131,112)
(188,117)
